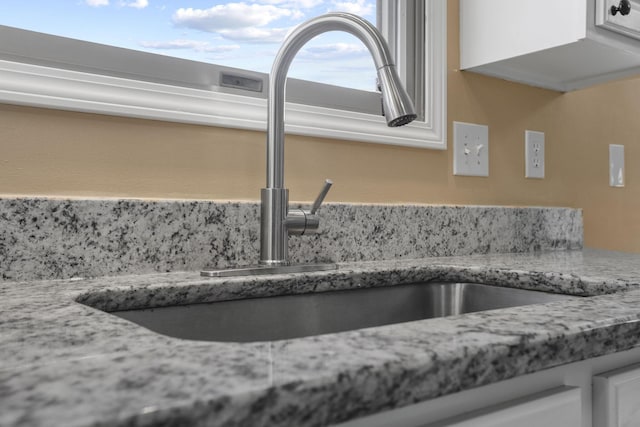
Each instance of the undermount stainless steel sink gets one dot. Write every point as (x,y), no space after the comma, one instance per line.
(294,316)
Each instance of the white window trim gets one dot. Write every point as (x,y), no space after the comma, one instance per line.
(42,86)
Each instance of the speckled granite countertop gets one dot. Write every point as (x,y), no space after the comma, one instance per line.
(64,363)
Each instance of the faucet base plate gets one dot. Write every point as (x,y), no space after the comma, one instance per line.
(260,270)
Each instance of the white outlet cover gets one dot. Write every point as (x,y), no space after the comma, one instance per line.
(533,154)
(616,165)
(470,149)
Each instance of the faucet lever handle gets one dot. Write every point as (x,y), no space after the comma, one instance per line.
(323,193)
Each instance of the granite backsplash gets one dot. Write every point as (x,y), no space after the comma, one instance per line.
(43,238)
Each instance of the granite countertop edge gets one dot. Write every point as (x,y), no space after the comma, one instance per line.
(66,363)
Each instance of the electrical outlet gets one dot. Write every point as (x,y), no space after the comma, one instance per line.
(470,149)
(616,165)
(534,154)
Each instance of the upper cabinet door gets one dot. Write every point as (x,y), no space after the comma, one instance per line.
(619,16)
(560,45)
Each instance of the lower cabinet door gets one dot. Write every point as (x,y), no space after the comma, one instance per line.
(555,408)
(616,398)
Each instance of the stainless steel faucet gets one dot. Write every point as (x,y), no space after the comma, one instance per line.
(277,221)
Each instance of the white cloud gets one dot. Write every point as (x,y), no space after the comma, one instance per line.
(230,16)
(138,4)
(222,48)
(333,51)
(256,35)
(358,7)
(199,46)
(97,3)
(294,4)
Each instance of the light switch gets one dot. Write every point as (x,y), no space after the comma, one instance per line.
(470,149)
(616,165)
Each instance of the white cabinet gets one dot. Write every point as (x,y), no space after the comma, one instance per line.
(557,44)
(562,406)
(616,398)
(573,395)
(558,408)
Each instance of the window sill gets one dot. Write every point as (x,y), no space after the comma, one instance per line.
(32,85)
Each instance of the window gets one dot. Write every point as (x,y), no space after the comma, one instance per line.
(232,33)
(53,71)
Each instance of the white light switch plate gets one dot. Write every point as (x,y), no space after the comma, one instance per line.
(533,154)
(616,165)
(470,149)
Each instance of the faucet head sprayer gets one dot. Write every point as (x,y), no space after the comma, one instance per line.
(397,106)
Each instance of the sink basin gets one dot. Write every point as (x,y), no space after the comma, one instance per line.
(294,316)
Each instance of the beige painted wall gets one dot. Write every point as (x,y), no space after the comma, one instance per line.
(56,153)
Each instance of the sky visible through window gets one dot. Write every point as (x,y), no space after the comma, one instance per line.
(238,34)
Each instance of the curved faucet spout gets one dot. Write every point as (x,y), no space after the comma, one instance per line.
(397,105)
